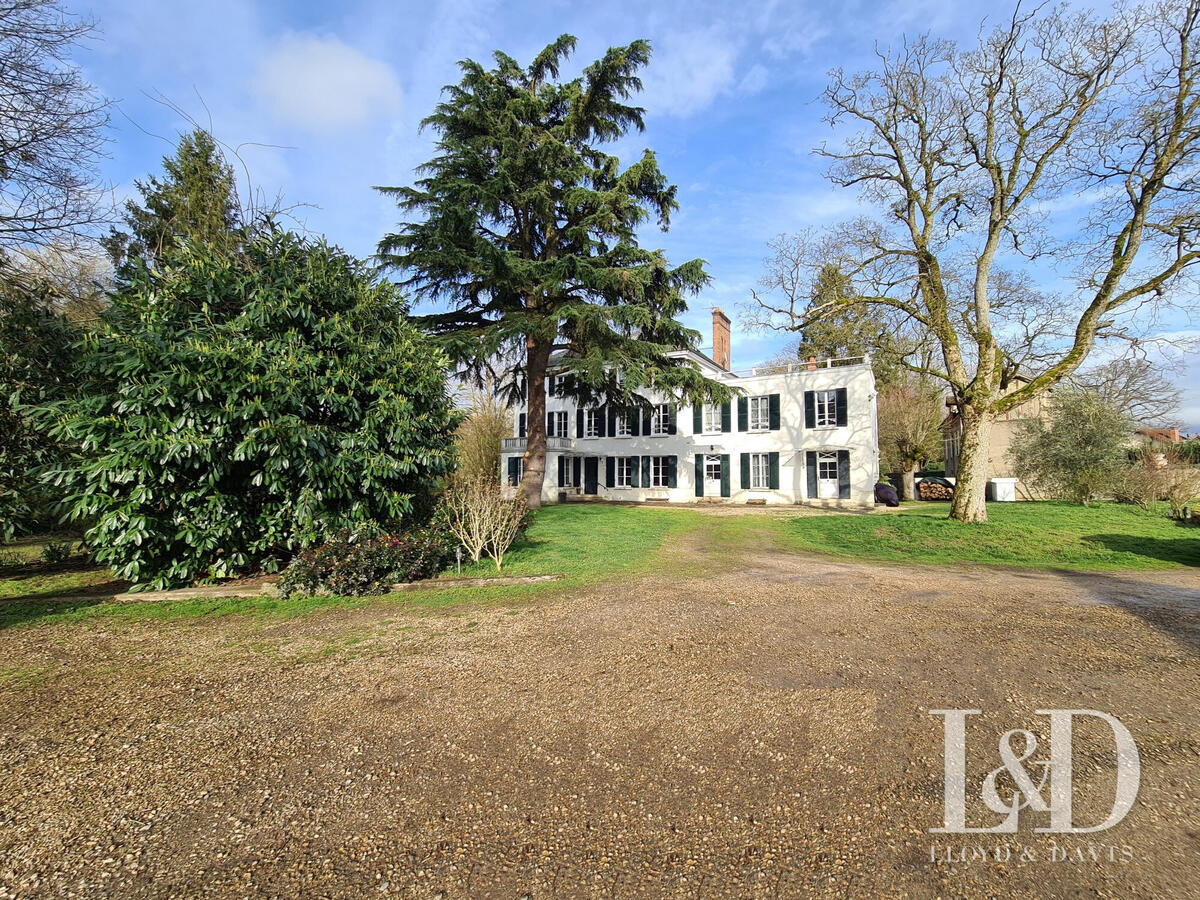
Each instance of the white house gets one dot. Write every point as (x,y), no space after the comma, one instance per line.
(800,433)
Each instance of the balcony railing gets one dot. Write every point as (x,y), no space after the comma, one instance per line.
(517,444)
(804,366)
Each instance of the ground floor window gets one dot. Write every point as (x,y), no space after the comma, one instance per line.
(712,469)
(660,471)
(760,472)
(516,470)
(624,472)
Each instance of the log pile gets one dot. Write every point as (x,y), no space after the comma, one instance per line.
(931,490)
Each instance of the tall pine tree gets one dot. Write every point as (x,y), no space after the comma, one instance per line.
(525,231)
(196,200)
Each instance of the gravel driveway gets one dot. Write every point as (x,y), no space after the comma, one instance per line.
(754,726)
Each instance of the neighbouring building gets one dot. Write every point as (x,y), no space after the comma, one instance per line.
(1004,430)
(799,433)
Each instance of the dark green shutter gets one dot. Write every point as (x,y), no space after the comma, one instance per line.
(743,414)
(812,475)
(633,419)
(646,421)
(745,471)
(699,475)
(697,419)
(562,471)
(575,466)
(610,471)
(513,462)
(842,413)
(810,409)
(773,412)
(773,462)
(633,471)
(844,474)
(550,424)
(521,426)
(672,471)
(579,423)
(612,420)
(725,417)
(645,471)
(601,418)
(671,427)
(725,475)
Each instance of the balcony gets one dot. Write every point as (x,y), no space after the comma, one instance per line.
(517,444)
(804,366)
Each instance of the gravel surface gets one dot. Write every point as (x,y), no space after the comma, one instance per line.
(757,728)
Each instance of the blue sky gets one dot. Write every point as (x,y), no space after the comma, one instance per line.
(324,100)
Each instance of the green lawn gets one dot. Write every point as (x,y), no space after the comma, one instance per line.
(583,542)
(588,543)
(1042,535)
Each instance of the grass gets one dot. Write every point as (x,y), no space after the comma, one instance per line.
(590,543)
(586,543)
(1045,535)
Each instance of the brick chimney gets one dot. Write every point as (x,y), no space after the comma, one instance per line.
(721,339)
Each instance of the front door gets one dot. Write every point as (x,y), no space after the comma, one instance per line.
(827,476)
(712,476)
(591,474)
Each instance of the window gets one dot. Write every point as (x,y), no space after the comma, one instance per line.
(558,385)
(558,424)
(516,470)
(660,419)
(567,466)
(760,413)
(624,472)
(826,409)
(760,471)
(711,418)
(591,423)
(658,471)
(621,425)
(827,469)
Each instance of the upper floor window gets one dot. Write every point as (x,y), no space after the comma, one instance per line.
(621,425)
(556,424)
(558,385)
(760,413)
(591,423)
(711,419)
(826,409)
(660,419)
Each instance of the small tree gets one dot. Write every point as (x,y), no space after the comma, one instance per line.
(1081,454)
(237,408)
(910,414)
(482,518)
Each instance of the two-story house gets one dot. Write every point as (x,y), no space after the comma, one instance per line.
(799,433)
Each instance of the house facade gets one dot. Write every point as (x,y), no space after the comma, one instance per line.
(800,433)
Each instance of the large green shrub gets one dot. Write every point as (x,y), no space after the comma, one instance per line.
(36,367)
(237,408)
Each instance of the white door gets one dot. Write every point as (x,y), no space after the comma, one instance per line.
(712,476)
(827,476)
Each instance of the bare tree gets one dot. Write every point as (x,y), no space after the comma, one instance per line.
(482,518)
(967,154)
(910,414)
(51,127)
(1135,386)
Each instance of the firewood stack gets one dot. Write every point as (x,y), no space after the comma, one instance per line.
(931,490)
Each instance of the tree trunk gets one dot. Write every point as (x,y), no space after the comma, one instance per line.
(970,486)
(536,360)
(908,481)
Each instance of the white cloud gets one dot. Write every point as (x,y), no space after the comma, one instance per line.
(690,71)
(321,84)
